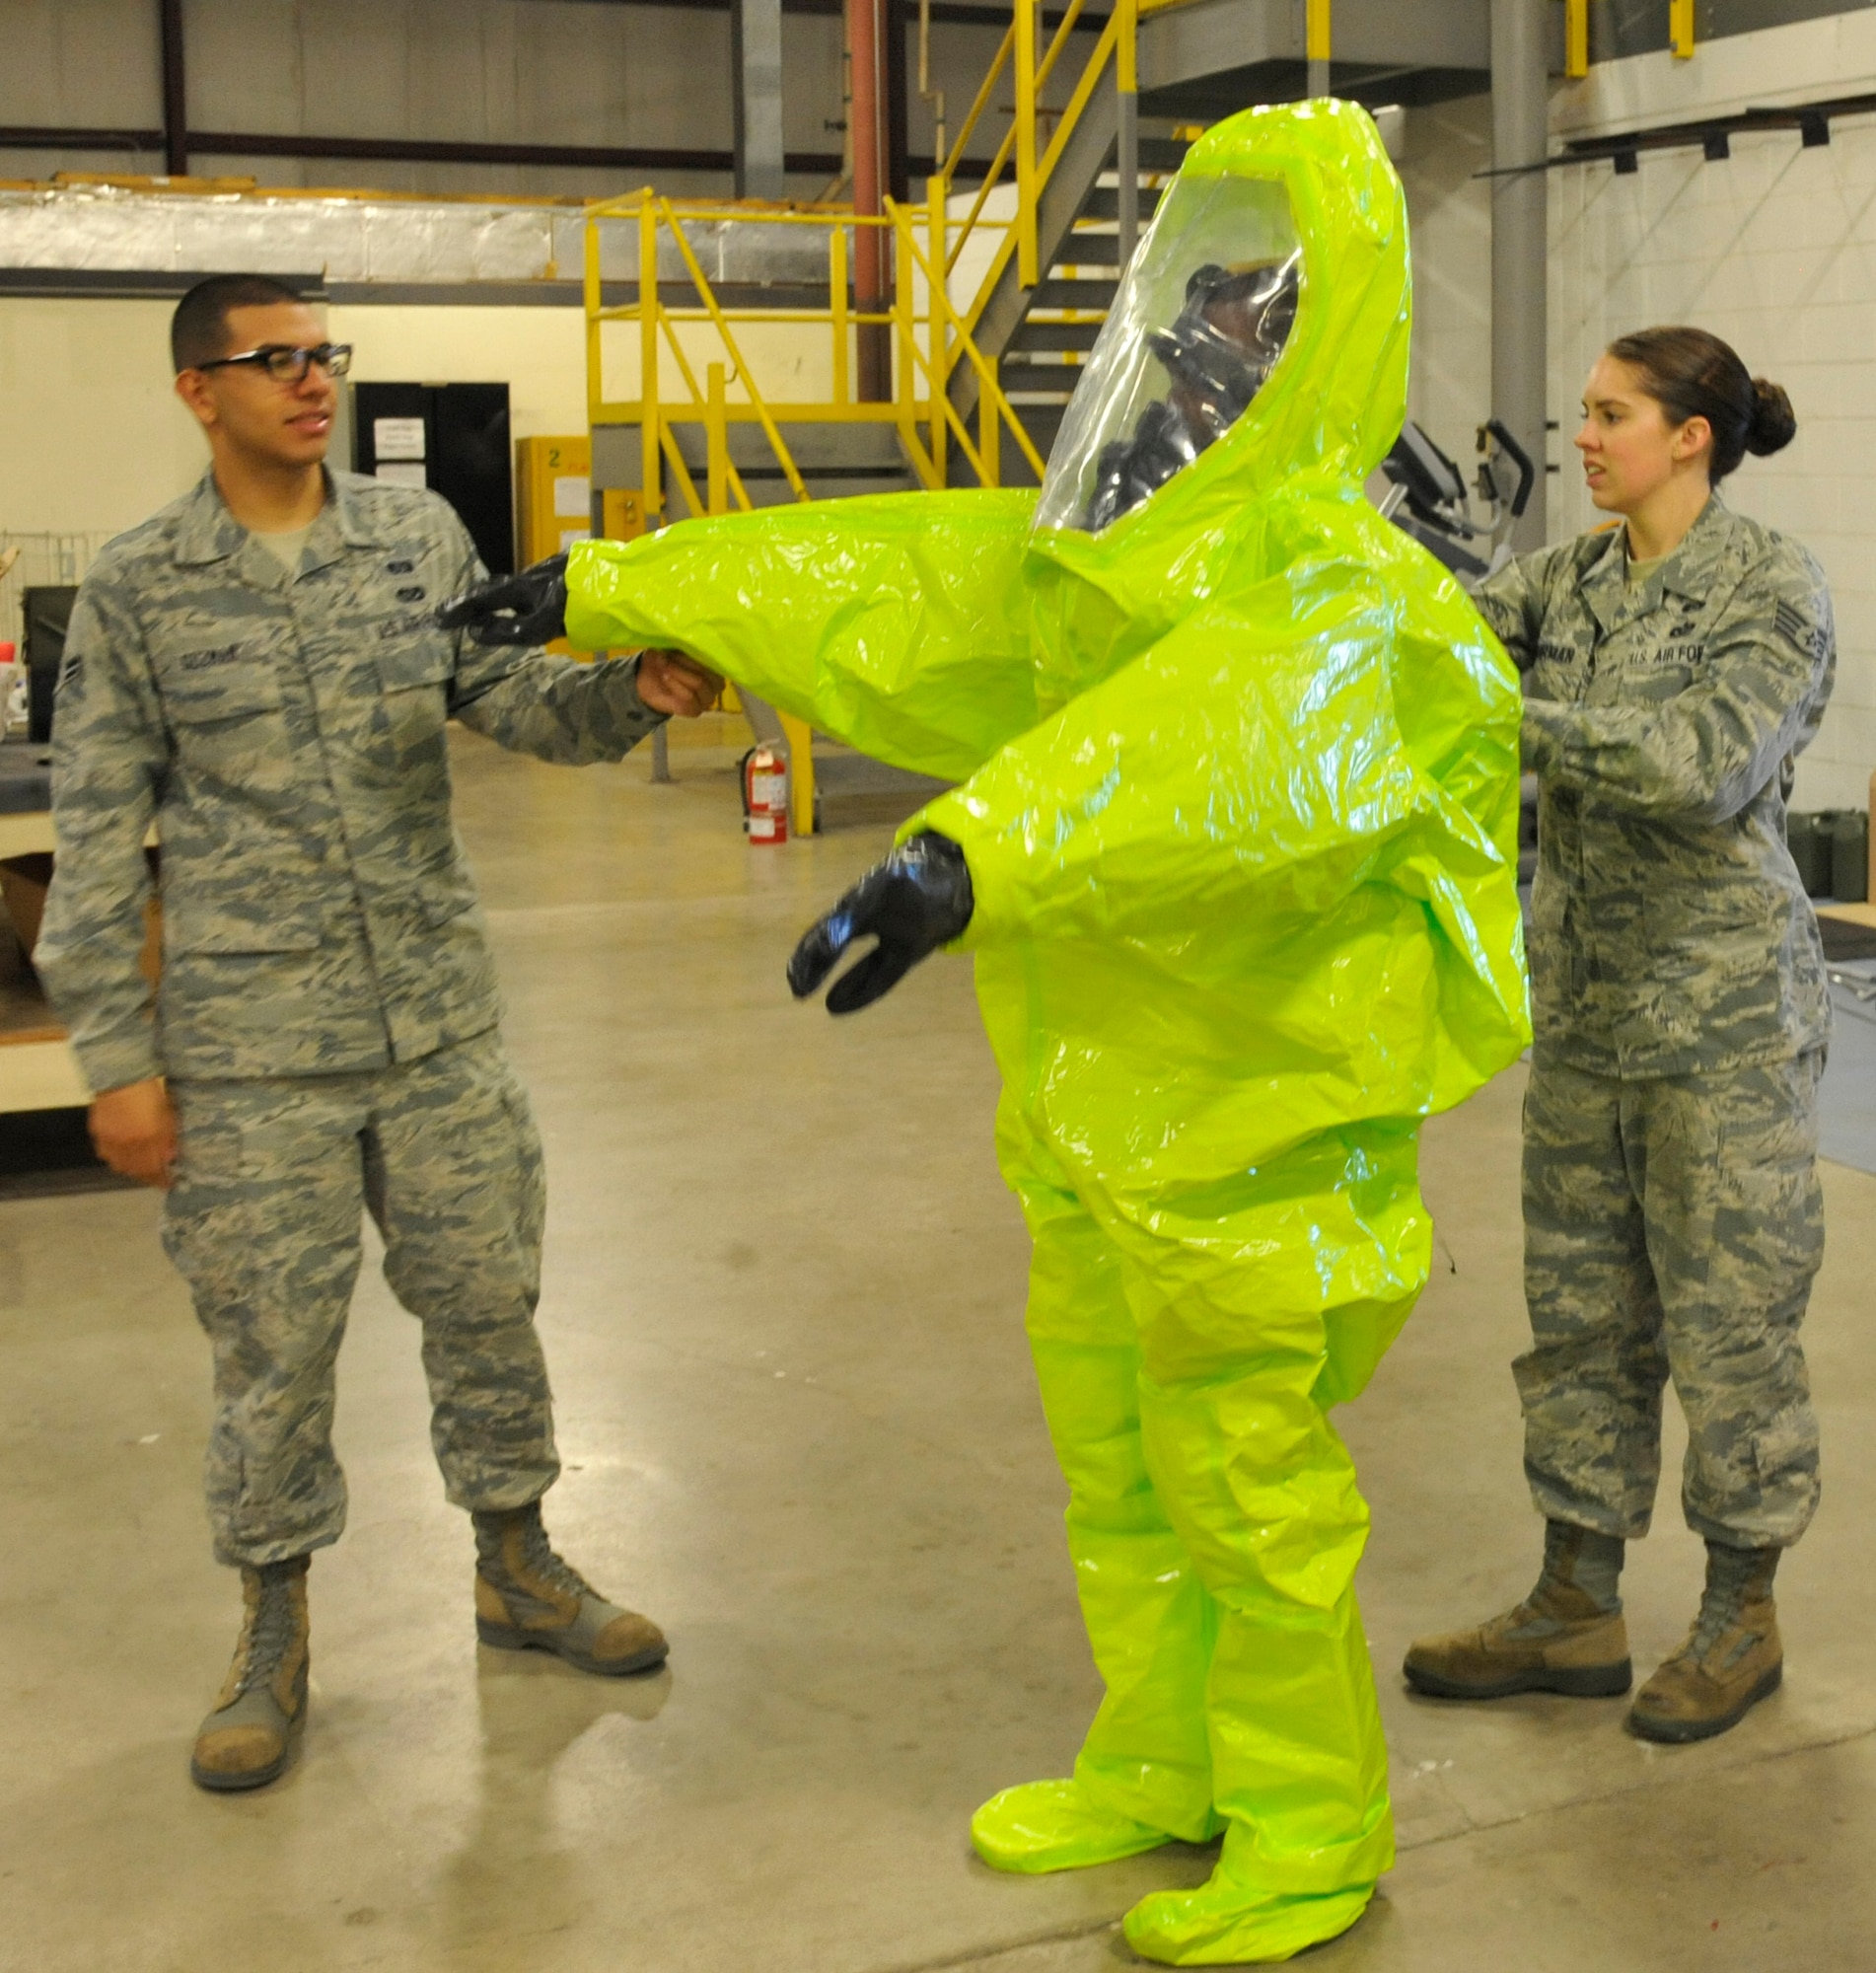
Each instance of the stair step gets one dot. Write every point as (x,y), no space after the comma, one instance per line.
(837,450)
(1163,154)
(1033,334)
(1051,293)
(773,490)
(1088,249)
(1103,202)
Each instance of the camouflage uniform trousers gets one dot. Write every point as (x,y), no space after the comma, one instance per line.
(265,1222)
(1673,1226)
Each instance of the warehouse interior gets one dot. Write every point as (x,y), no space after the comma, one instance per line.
(608,265)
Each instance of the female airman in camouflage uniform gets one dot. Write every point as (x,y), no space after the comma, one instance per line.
(1673,1222)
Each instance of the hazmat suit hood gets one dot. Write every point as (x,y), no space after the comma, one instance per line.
(1297,197)
(1310,184)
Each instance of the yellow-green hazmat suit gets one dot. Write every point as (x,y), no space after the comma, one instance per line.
(1238,770)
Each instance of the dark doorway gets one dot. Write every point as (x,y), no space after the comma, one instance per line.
(451,438)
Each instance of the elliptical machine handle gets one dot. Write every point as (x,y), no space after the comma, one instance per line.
(1527,472)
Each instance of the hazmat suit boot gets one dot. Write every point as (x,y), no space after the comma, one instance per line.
(527,1599)
(1055,1825)
(1732,1657)
(246,1742)
(1566,1637)
(1234,1920)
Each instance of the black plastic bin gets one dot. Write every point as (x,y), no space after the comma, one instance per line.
(48,612)
(1850,856)
(1808,837)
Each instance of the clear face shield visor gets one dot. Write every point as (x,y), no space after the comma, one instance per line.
(1198,326)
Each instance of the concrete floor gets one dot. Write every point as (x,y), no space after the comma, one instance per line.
(782,1308)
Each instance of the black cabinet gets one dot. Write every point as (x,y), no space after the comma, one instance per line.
(48,612)
(451,438)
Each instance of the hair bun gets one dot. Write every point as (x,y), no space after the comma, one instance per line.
(1773,424)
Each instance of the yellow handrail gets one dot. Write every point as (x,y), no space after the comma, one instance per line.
(1027,189)
(1063,30)
(1032,78)
(708,297)
(990,184)
(837,309)
(1000,409)
(648,351)
(1071,116)
(931,341)
(1083,91)
(947,166)
(925,241)
(1316,31)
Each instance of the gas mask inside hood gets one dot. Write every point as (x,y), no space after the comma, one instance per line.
(1197,327)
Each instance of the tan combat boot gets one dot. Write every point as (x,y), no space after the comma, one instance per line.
(1562,1638)
(528,1599)
(244,1742)
(1732,1657)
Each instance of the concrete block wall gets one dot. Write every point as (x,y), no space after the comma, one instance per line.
(1449,211)
(1774,249)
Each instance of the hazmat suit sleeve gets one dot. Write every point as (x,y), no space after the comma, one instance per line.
(1706,751)
(531,702)
(1250,761)
(894,623)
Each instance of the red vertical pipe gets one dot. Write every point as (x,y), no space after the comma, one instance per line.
(869,244)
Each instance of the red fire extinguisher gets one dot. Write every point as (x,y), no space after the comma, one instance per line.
(766,795)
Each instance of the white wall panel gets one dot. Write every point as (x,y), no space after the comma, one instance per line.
(540,353)
(90,62)
(355,60)
(1776,251)
(244,70)
(92,432)
(1773,248)
(1449,209)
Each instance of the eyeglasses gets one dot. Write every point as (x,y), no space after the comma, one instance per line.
(286,362)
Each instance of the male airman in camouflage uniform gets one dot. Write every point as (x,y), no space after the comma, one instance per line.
(1673,1217)
(326,1025)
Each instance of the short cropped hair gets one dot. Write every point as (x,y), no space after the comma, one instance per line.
(198,329)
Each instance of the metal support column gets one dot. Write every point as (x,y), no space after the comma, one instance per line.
(1520,131)
(1317,45)
(1127,166)
(1126,152)
(175,119)
(756,61)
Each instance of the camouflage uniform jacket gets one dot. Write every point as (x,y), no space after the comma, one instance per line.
(286,736)
(1670,931)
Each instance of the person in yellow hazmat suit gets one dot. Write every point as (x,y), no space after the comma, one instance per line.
(1233,847)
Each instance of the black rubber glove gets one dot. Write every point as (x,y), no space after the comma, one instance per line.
(914,902)
(526,609)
